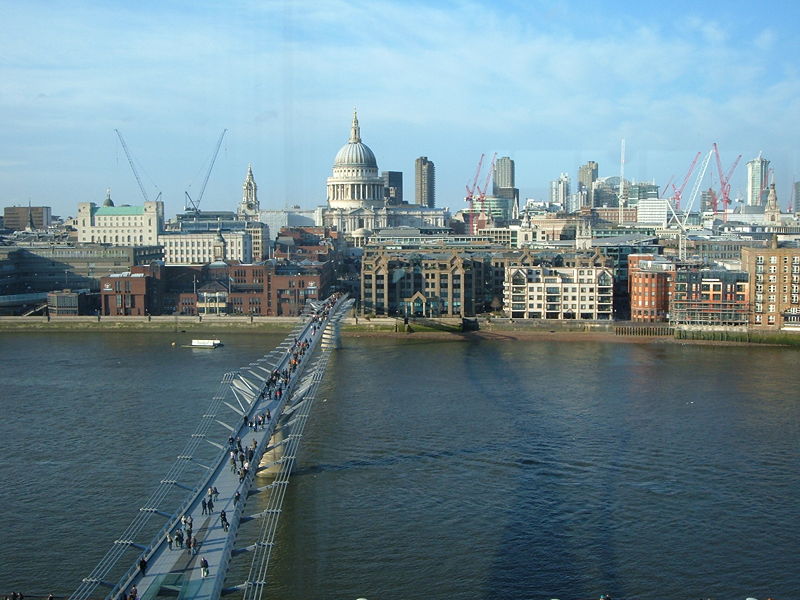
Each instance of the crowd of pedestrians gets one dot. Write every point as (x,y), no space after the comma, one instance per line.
(241,457)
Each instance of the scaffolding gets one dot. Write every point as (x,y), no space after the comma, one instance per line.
(691,311)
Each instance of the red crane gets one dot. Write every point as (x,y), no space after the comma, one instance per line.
(482,192)
(471,194)
(676,197)
(725,182)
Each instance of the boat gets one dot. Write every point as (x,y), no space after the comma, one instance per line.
(205,344)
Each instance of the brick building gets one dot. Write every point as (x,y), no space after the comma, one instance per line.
(774,285)
(649,281)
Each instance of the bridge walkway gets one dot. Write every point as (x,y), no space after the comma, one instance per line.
(176,572)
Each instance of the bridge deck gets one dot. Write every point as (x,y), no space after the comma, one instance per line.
(176,572)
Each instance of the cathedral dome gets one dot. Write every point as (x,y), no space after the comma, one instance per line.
(355,152)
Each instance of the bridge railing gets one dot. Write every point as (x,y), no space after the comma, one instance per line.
(152,505)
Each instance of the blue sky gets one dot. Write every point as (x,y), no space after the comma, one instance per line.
(551,84)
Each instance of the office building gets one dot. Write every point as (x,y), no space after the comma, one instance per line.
(757,181)
(393,187)
(587,175)
(559,191)
(425,182)
(120,225)
(20,218)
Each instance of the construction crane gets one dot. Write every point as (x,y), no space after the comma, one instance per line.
(482,192)
(133,168)
(194,205)
(682,234)
(724,182)
(621,200)
(678,192)
(469,198)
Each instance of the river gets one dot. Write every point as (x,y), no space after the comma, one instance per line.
(431,468)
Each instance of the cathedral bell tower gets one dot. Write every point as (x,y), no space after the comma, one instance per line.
(248,207)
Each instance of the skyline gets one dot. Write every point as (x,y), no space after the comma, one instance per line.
(549,86)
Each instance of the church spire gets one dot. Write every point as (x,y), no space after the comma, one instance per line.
(355,130)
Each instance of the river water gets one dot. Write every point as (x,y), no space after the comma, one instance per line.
(431,469)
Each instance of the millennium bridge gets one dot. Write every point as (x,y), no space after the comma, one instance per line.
(253,424)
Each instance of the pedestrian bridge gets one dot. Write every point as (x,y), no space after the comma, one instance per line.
(281,385)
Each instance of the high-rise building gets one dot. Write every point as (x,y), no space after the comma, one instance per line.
(587,175)
(503,175)
(559,191)
(503,180)
(757,181)
(393,187)
(795,206)
(425,182)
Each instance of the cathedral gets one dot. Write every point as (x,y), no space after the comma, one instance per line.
(355,193)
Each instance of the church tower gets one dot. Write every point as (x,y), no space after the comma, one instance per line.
(248,207)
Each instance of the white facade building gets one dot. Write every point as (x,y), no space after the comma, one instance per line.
(652,211)
(202,248)
(582,292)
(120,225)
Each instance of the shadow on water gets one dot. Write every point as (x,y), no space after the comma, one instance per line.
(536,555)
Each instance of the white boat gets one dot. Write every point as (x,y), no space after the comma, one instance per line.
(206,344)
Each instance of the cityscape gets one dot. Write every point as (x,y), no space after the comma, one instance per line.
(607,249)
(387,300)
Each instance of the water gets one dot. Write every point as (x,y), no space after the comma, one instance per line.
(433,469)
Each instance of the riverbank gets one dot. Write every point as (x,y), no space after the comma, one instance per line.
(420,329)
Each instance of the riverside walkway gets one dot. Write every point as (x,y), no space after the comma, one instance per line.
(281,385)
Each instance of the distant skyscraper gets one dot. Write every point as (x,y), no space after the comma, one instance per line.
(757,181)
(503,175)
(425,182)
(587,175)
(559,191)
(393,187)
(503,180)
(796,199)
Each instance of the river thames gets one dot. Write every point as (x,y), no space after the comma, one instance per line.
(431,469)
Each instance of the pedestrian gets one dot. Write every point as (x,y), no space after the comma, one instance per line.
(205,507)
(134,593)
(194,545)
(216,493)
(169,540)
(142,565)
(236,497)
(204,567)
(179,538)
(210,506)
(223,518)
(189,544)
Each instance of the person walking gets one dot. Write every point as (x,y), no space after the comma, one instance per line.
(216,493)
(169,540)
(194,545)
(205,507)
(142,565)
(210,505)
(223,518)
(204,567)
(236,497)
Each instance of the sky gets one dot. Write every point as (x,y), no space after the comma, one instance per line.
(550,84)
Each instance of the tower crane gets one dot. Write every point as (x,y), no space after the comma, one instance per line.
(725,182)
(133,168)
(482,192)
(682,223)
(676,196)
(471,194)
(194,205)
